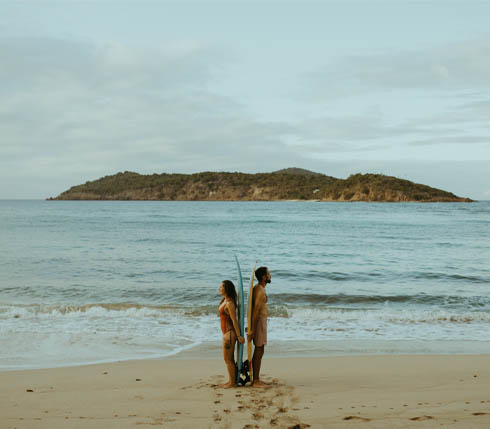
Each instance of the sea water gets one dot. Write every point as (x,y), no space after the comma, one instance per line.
(95,281)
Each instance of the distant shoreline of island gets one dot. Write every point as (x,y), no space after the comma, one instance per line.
(291,184)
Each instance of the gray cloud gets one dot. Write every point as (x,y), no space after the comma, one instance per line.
(457,72)
(72,64)
(76,109)
(73,111)
(456,66)
(464,139)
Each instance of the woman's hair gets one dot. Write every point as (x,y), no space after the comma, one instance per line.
(230,291)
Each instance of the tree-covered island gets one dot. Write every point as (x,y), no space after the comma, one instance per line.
(282,185)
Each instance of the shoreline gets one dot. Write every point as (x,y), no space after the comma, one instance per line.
(339,391)
(211,350)
(461,200)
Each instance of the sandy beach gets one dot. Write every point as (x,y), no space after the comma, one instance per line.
(450,391)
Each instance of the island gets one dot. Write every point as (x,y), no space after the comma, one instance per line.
(283,185)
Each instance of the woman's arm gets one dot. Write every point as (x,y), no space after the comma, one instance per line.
(232,312)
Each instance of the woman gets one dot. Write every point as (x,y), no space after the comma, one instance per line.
(230,328)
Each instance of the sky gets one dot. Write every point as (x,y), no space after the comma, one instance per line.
(92,88)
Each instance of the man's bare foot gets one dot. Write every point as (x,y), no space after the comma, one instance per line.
(259,383)
(227,385)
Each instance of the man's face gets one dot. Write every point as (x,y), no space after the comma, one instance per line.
(268,277)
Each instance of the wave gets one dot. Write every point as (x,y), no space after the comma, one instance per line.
(129,309)
(345,299)
(449,277)
(368,276)
(102,309)
(362,318)
(327,275)
(148,295)
(305,314)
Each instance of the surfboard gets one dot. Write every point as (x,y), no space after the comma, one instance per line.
(240,378)
(249,320)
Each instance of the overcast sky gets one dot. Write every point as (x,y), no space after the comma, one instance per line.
(91,88)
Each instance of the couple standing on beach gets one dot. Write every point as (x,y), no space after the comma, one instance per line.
(231,328)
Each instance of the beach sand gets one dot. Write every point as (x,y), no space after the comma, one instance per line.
(451,391)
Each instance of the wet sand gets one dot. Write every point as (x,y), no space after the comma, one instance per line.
(424,391)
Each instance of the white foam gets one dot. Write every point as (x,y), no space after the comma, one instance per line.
(39,336)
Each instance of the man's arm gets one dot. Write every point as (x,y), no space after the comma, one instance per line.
(259,301)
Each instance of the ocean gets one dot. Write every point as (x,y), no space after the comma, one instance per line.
(98,281)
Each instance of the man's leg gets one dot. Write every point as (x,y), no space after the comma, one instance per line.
(256,362)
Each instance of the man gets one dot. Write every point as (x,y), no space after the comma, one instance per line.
(258,332)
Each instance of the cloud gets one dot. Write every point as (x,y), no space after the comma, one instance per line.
(75,110)
(79,109)
(454,66)
(463,139)
(421,97)
(68,63)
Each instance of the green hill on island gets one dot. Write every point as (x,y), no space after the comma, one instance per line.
(287,184)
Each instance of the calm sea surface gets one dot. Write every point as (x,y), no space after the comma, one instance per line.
(101,281)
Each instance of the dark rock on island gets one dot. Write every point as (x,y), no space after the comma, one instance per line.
(282,185)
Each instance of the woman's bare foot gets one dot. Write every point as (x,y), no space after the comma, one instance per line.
(228,385)
(259,383)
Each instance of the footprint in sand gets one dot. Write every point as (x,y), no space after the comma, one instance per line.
(358,418)
(257,416)
(480,414)
(199,385)
(421,418)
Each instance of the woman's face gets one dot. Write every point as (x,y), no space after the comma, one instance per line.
(221,289)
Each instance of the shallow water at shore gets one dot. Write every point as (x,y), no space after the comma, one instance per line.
(96,281)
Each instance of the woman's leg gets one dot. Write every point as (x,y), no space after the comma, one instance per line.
(229,340)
